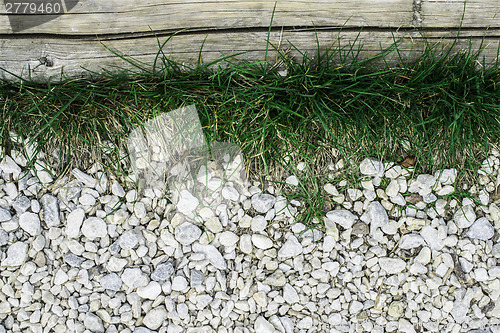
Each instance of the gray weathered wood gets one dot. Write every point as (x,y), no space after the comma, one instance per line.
(121,16)
(71,56)
(72,41)
(448,13)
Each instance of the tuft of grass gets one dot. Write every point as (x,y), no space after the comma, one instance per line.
(441,108)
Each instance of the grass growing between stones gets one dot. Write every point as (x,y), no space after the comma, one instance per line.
(441,110)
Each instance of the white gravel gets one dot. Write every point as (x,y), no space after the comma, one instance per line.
(99,256)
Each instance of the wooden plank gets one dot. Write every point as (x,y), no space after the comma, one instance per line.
(131,16)
(21,56)
(448,13)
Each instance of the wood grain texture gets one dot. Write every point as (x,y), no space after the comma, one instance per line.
(448,13)
(71,57)
(73,41)
(122,16)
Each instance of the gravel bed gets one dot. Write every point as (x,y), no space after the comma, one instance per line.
(397,254)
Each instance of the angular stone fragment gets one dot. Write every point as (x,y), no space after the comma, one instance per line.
(50,209)
(262,203)
(392,265)
(290,248)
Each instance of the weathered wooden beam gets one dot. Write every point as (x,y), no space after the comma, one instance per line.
(122,16)
(22,56)
(74,41)
(479,14)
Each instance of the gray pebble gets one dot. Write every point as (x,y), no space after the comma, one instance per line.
(163,272)
(50,208)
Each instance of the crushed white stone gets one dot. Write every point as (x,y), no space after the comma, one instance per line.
(230,256)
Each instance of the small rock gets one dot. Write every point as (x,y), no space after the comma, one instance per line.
(50,209)
(328,243)
(111,282)
(414,198)
(21,204)
(495,215)
(93,323)
(85,178)
(155,318)
(246,244)
(187,202)
(464,217)
(94,227)
(60,277)
(140,210)
(4,215)
(355,307)
(196,278)
(17,254)
(446,176)
(290,248)
(292,180)
(393,188)
(75,247)
(396,309)
(129,239)
(261,325)
(305,323)
(360,229)
(371,167)
(73,260)
(213,224)
(74,222)
(495,251)
(288,325)
(429,198)
(426,181)
(331,189)
(230,193)
(134,278)
(354,193)
(30,223)
(342,217)
(262,203)
(290,294)
(206,213)
(87,200)
(211,253)
(9,166)
(424,256)
(375,215)
(5,308)
(260,298)
(179,283)
(4,237)
(187,233)
(410,241)
(432,237)
(481,229)
(116,264)
(258,224)
(392,265)
(163,272)
(460,310)
(481,274)
(262,242)
(276,279)
(151,291)
(228,238)
(117,189)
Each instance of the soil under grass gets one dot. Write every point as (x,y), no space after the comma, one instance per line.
(442,110)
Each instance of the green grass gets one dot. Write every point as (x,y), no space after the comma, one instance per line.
(440,108)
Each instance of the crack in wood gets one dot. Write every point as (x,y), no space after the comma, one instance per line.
(202,31)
